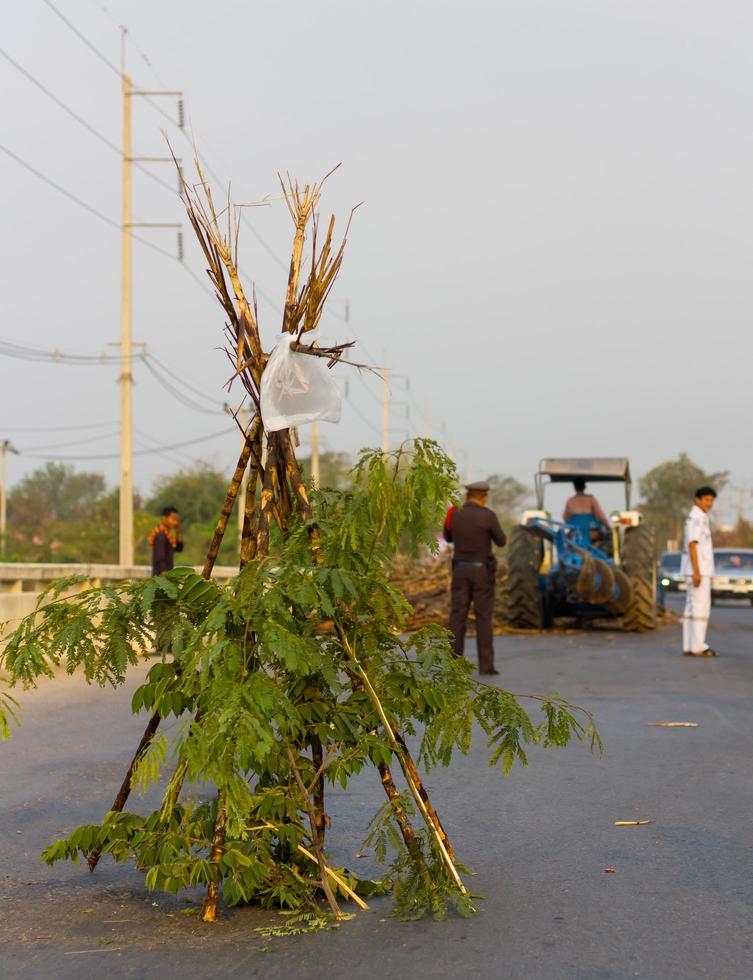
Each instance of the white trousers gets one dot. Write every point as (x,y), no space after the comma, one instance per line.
(695,620)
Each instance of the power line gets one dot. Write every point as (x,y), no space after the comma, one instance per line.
(77,200)
(212,173)
(36,355)
(59,428)
(270,251)
(19,352)
(139,452)
(177,394)
(98,214)
(74,442)
(79,119)
(179,458)
(103,58)
(59,188)
(180,380)
(147,61)
(363,418)
(95,50)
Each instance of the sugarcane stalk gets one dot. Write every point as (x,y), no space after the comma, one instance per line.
(398,750)
(227,507)
(315,838)
(406,828)
(317,757)
(294,475)
(416,777)
(266,503)
(248,536)
(209,910)
(300,214)
(282,487)
(406,760)
(125,788)
(337,879)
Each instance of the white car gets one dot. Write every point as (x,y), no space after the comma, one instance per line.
(733,578)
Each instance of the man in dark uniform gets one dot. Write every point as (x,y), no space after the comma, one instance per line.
(472,528)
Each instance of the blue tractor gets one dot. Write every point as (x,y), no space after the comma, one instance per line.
(579,568)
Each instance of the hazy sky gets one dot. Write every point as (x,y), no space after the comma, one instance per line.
(555,242)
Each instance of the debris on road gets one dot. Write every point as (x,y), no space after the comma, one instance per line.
(631,823)
(610,871)
(672,724)
(425,583)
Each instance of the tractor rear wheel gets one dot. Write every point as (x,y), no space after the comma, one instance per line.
(524,603)
(639,564)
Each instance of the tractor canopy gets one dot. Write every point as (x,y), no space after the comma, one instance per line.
(606,469)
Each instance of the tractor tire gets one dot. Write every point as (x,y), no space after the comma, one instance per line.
(639,564)
(524,605)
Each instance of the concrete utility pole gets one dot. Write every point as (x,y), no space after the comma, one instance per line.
(386,411)
(5,447)
(126,344)
(126,375)
(315,453)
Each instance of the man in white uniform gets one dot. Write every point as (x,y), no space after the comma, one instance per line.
(698,569)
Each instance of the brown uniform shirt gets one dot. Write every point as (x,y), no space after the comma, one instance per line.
(472,530)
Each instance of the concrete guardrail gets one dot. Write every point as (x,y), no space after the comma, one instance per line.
(22,582)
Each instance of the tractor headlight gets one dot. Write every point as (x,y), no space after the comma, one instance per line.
(665,581)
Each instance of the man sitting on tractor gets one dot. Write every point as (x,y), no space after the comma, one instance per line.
(582,503)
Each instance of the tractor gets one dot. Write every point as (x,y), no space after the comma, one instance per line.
(580,569)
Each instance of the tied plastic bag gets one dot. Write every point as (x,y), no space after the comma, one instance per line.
(296,389)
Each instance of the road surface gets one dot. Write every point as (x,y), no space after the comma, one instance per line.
(679,903)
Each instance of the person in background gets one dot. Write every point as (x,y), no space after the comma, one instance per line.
(698,568)
(165,540)
(471,529)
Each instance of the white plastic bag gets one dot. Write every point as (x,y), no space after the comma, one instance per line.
(296,389)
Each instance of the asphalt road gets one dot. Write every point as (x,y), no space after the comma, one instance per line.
(679,903)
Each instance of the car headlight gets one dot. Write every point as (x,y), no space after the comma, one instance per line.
(665,581)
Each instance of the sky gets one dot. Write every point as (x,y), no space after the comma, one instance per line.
(552,255)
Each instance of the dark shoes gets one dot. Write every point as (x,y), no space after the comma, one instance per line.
(489,673)
(708,652)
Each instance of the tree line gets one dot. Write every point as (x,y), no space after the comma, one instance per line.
(56,514)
